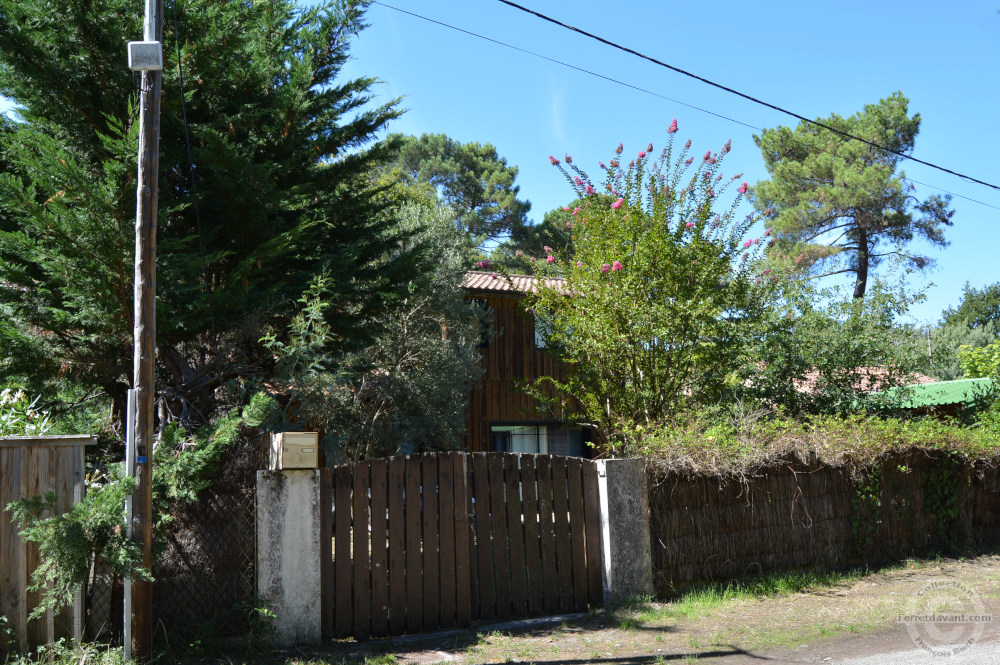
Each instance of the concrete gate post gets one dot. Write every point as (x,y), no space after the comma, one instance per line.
(288,553)
(625,548)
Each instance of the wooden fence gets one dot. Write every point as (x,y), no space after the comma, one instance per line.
(442,539)
(33,466)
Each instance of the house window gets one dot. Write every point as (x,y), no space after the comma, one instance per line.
(543,329)
(552,439)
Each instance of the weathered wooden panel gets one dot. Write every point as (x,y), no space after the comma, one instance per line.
(547,534)
(446,532)
(532,547)
(442,539)
(414,538)
(397,546)
(501,543)
(484,541)
(577,531)
(431,555)
(515,534)
(343,571)
(564,554)
(379,539)
(29,467)
(361,541)
(592,527)
(327,591)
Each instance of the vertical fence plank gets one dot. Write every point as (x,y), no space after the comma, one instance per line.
(414,571)
(501,552)
(592,524)
(432,562)
(326,576)
(546,530)
(362,562)
(564,554)
(515,532)
(532,549)
(448,521)
(577,532)
(463,539)
(397,546)
(343,580)
(34,479)
(13,603)
(62,474)
(484,544)
(380,570)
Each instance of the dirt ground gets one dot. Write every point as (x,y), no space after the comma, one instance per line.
(852,619)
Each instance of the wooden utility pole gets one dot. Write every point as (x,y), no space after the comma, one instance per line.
(145,330)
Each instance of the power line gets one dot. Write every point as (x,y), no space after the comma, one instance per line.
(635,87)
(743,95)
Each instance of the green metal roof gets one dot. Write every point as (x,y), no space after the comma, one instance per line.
(961,391)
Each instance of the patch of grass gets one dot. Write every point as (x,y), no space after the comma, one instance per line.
(699,602)
(67,652)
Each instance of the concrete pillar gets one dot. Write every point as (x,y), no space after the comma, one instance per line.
(625,548)
(288,553)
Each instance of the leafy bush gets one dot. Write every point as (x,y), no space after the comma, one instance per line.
(19,417)
(70,542)
(708,443)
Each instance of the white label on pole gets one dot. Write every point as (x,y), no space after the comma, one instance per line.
(145,56)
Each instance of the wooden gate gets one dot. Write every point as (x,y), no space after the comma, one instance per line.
(442,539)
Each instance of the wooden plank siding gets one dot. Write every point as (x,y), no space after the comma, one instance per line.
(511,355)
(34,466)
(444,539)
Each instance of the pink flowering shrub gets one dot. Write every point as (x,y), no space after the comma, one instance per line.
(667,291)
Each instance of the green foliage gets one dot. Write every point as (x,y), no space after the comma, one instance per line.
(827,353)
(527,243)
(736,447)
(283,145)
(981,362)
(662,297)
(19,417)
(840,206)
(407,389)
(70,652)
(67,542)
(472,178)
(979,307)
(866,506)
(944,341)
(95,527)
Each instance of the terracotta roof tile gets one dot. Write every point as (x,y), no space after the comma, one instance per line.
(495,282)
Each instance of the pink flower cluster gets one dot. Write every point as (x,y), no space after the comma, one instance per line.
(588,190)
(742,189)
(553,161)
(617,204)
(689,225)
(483,264)
(550,259)
(672,129)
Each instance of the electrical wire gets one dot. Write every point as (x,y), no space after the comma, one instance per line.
(645,90)
(745,96)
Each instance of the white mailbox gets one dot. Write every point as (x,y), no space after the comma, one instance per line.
(294,450)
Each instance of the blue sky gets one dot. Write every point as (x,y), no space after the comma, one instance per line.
(812,58)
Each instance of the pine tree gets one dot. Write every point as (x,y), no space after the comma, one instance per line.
(839,205)
(281,147)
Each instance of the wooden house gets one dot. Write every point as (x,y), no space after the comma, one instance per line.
(501,417)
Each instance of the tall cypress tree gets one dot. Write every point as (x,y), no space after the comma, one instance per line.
(281,147)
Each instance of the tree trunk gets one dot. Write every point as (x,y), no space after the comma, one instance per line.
(861,284)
